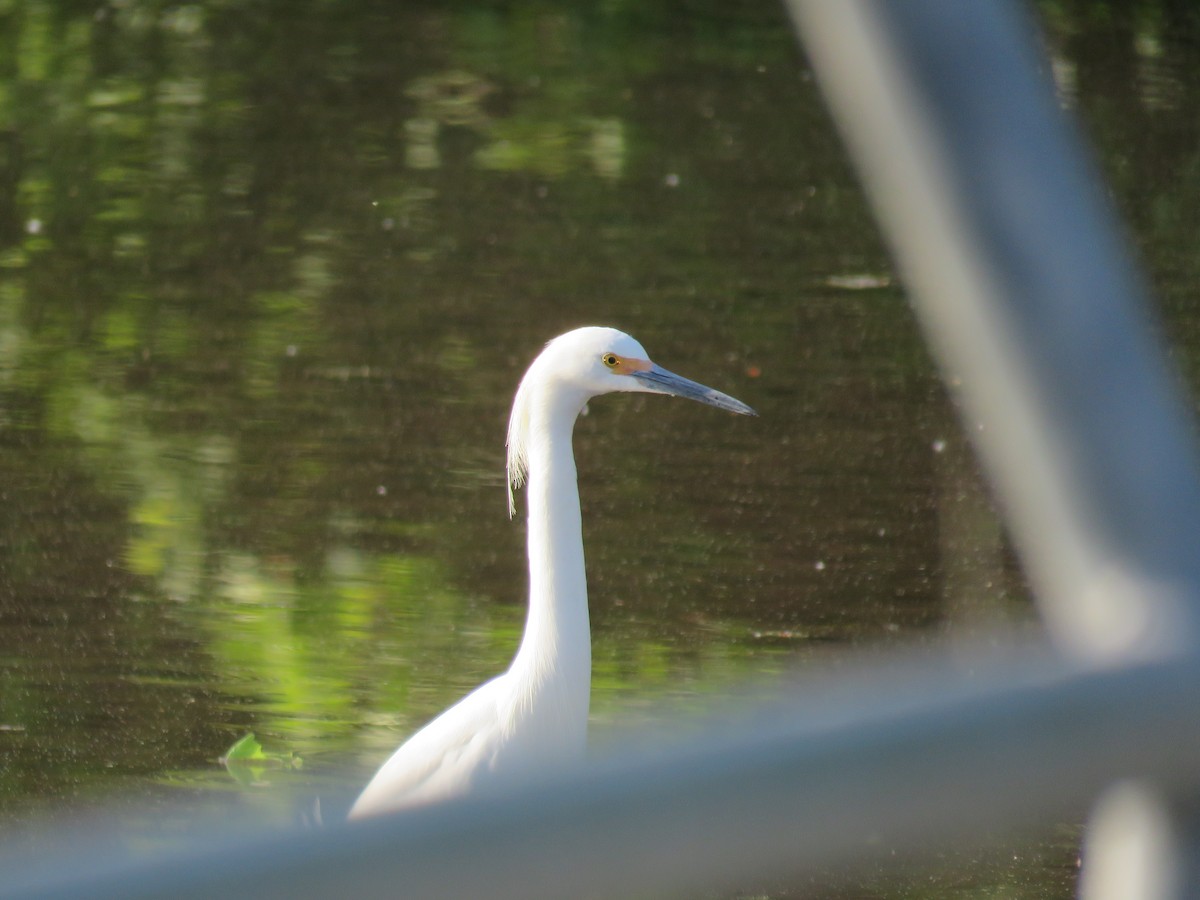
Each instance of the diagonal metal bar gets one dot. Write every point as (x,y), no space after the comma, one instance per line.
(1022,282)
(903,756)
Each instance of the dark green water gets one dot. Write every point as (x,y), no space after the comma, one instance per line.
(269,275)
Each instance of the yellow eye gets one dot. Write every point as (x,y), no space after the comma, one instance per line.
(611,360)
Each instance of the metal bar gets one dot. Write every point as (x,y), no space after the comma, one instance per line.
(1138,847)
(1023,285)
(901,757)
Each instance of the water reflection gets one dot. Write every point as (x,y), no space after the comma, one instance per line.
(269,276)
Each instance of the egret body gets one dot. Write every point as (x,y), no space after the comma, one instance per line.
(534,716)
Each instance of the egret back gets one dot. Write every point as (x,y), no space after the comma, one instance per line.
(448,756)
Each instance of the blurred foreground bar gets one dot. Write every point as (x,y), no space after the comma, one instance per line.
(910,755)
(1021,280)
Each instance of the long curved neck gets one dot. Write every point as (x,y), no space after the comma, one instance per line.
(556,649)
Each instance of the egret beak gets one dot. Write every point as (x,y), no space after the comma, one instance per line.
(658,380)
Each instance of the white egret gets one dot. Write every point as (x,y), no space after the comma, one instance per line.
(534,716)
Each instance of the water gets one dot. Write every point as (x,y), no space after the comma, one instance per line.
(269,277)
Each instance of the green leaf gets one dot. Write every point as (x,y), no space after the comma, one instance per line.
(247,762)
(244,750)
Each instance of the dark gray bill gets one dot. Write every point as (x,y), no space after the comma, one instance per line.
(660,381)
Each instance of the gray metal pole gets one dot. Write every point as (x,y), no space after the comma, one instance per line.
(1023,284)
(1135,849)
(921,755)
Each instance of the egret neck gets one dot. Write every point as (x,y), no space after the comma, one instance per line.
(554,662)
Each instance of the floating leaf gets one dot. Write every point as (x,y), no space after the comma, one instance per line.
(247,762)
(246,749)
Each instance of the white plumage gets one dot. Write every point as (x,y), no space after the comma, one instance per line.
(534,716)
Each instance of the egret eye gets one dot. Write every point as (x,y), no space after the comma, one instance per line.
(610,360)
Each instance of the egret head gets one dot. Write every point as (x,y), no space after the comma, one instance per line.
(585,363)
(595,359)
